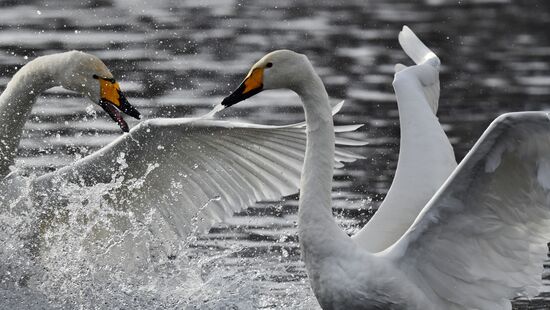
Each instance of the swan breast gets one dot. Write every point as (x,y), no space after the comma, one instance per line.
(363,282)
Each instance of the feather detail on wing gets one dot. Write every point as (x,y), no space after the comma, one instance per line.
(426,157)
(421,55)
(482,239)
(196,172)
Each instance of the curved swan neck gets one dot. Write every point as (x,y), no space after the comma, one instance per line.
(317,228)
(16,103)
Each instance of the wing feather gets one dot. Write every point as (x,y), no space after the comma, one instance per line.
(421,55)
(482,239)
(426,157)
(196,172)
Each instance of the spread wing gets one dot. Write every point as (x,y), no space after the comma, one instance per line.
(481,240)
(426,157)
(421,54)
(197,171)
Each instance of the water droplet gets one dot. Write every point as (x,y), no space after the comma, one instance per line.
(284,252)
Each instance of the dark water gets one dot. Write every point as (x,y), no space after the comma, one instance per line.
(179,58)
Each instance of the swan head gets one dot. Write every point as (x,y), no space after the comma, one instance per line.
(278,69)
(88,75)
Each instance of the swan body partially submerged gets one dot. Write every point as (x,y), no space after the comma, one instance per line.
(478,242)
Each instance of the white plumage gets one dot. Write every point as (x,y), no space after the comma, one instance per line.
(426,157)
(75,71)
(478,242)
(191,171)
(489,224)
(196,171)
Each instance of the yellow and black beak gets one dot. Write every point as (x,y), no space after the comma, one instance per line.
(112,100)
(251,85)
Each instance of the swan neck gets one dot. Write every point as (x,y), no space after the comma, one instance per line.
(317,228)
(16,103)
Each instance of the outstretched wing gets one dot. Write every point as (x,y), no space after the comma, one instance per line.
(421,54)
(426,157)
(482,239)
(197,171)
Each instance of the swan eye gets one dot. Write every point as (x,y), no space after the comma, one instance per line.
(269,65)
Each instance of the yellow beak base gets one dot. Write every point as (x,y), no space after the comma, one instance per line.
(252,84)
(109,91)
(112,100)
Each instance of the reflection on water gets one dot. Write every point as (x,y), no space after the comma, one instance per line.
(179,58)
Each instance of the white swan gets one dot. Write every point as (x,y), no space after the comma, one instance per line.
(479,241)
(192,171)
(76,71)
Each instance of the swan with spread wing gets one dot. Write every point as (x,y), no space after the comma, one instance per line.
(193,171)
(477,243)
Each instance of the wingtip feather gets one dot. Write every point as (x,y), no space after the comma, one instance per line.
(337,107)
(416,49)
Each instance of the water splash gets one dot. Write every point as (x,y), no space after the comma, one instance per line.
(88,250)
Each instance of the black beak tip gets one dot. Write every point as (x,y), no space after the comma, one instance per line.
(238,96)
(133,113)
(126,107)
(227,102)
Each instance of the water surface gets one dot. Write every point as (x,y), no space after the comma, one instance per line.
(179,58)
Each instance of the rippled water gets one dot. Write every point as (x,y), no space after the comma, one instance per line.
(179,58)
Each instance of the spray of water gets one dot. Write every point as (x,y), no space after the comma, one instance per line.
(76,246)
